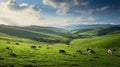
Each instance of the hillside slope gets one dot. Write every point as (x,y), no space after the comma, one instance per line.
(92,26)
(35,35)
(8,38)
(50,30)
(97,31)
(25,56)
(107,41)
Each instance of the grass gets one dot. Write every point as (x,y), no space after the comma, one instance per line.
(99,31)
(43,57)
(107,41)
(32,34)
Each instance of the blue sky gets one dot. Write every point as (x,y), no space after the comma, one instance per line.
(59,12)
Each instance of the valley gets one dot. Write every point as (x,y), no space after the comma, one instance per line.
(36,46)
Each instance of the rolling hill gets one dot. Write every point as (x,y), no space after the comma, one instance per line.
(48,54)
(97,31)
(51,30)
(107,41)
(23,55)
(83,26)
(27,32)
(55,35)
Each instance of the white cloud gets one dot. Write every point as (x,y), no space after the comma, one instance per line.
(11,5)
(85,2)
(12,13)
(24,14)
(63,10)
(103,8)
(64,6)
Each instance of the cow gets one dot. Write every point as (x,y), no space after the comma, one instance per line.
(62,51)
(90,50)
(8,42)
(109,51)
(13,54)
(17,43)
(8,48)
(33,47)
(78,51)
(40,46)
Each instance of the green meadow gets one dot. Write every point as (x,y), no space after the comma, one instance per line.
(16,50)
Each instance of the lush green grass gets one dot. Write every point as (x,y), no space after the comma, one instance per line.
(107,41)
(43,57)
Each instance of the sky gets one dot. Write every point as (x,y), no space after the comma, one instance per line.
(59,12)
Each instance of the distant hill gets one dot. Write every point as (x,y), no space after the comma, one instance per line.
(77,26)
(55,35)
(97,31)
(43,34)
(50,30)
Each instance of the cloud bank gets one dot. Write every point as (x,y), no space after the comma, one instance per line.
(23,14)
(64,6)
(68,12)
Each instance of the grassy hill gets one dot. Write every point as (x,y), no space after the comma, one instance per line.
(23,55)
(106,41)
(50,30)
(92,26)
(47,54)
(34,34)
(97,31)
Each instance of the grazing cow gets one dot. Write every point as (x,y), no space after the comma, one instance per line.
(89,50)
(1,58)
(8,42)
(78,51)
(109,52)
(62,51)
(13,54)
(7,48)
(17,43)
(33,47)
(40,46)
